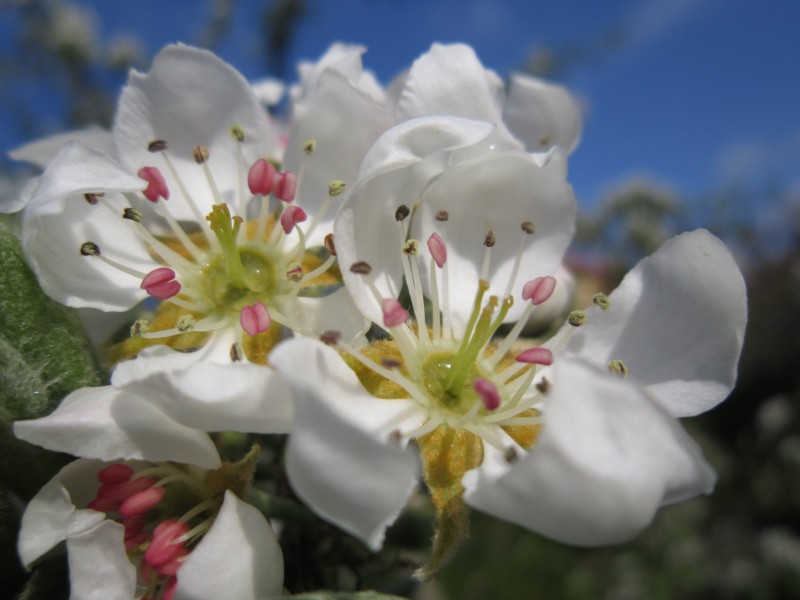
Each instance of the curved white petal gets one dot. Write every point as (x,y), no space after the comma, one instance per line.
(238,558)
(41,152)
(190,97)
(344,122)
(334,312)
(338,459)
(450,80)
(395,171)
(211,397)
(52,514)
(497,193)
(677,321)
(113,424)
(99,569)
(607,458)
(542,115)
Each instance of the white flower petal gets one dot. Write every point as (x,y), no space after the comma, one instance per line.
(334,459)
(344,122)
(450,80)
(269,90)
(497,193)
(99,569)
(238,558)
(41,152)
(606,459)
(191,97)
(113,424)
(52,513)
(677,322)
(211,397)
(542,115)
(394,172)
(334,312)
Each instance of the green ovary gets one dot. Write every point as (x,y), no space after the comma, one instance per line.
(262,280)
(436,369)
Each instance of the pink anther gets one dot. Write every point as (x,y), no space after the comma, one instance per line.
(393,312)
(538,290)
(123,491)
(140,503)
(261,177)
(285,186)
(160,283)
(536,356)
(116,473)
(291,217)
(156,186)
(254,319)
(437,249)
(488,393)
(165,547)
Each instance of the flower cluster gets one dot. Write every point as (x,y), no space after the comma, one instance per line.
(358,278)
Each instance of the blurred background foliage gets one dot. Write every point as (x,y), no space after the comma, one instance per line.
(741,542)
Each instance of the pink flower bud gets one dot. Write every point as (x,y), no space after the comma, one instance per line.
(437,249)
(393,313)
(254,319)
(538,290)
(261,177)
(291,217)
(285,186)
(160,283)
(536,356)
(488,393)
(156,186)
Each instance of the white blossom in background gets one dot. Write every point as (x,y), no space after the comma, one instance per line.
(149,510)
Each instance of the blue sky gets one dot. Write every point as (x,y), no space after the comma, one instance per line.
(699,94)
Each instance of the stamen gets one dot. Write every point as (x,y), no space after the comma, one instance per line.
(200,154)
(401,213)
(92,249)
(393,313)
(116,473)
(254,319)
(488,243)
(160,283)
(617,367)
(528,228)
(309,147)
(536,356)
(576,318)
(538,290)
(157,146)
(329,244)
(437,249)
(291,217)
(156,186)
(602,301)
(488,393)
(93,198)
(285,186)
(442,215)
(260,177)
(141,502)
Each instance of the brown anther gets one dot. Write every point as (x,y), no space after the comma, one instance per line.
(93,198)
(543,386)
(528,227)
(132,215)
(90,249)
(309,147)
(442,215)
(361,268)
(401,213)
(489,240)
(511,455)
(329,245)
(544,139)
(411,247)
(200,154)
(617,367)
(236,353)
(295,273)
(391,363)
(237,133)
(139,327)
(395,437)
(330,337)
(157,146)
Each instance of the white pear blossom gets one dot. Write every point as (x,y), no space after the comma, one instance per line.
(191,212)
(149,510)
(575,438)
